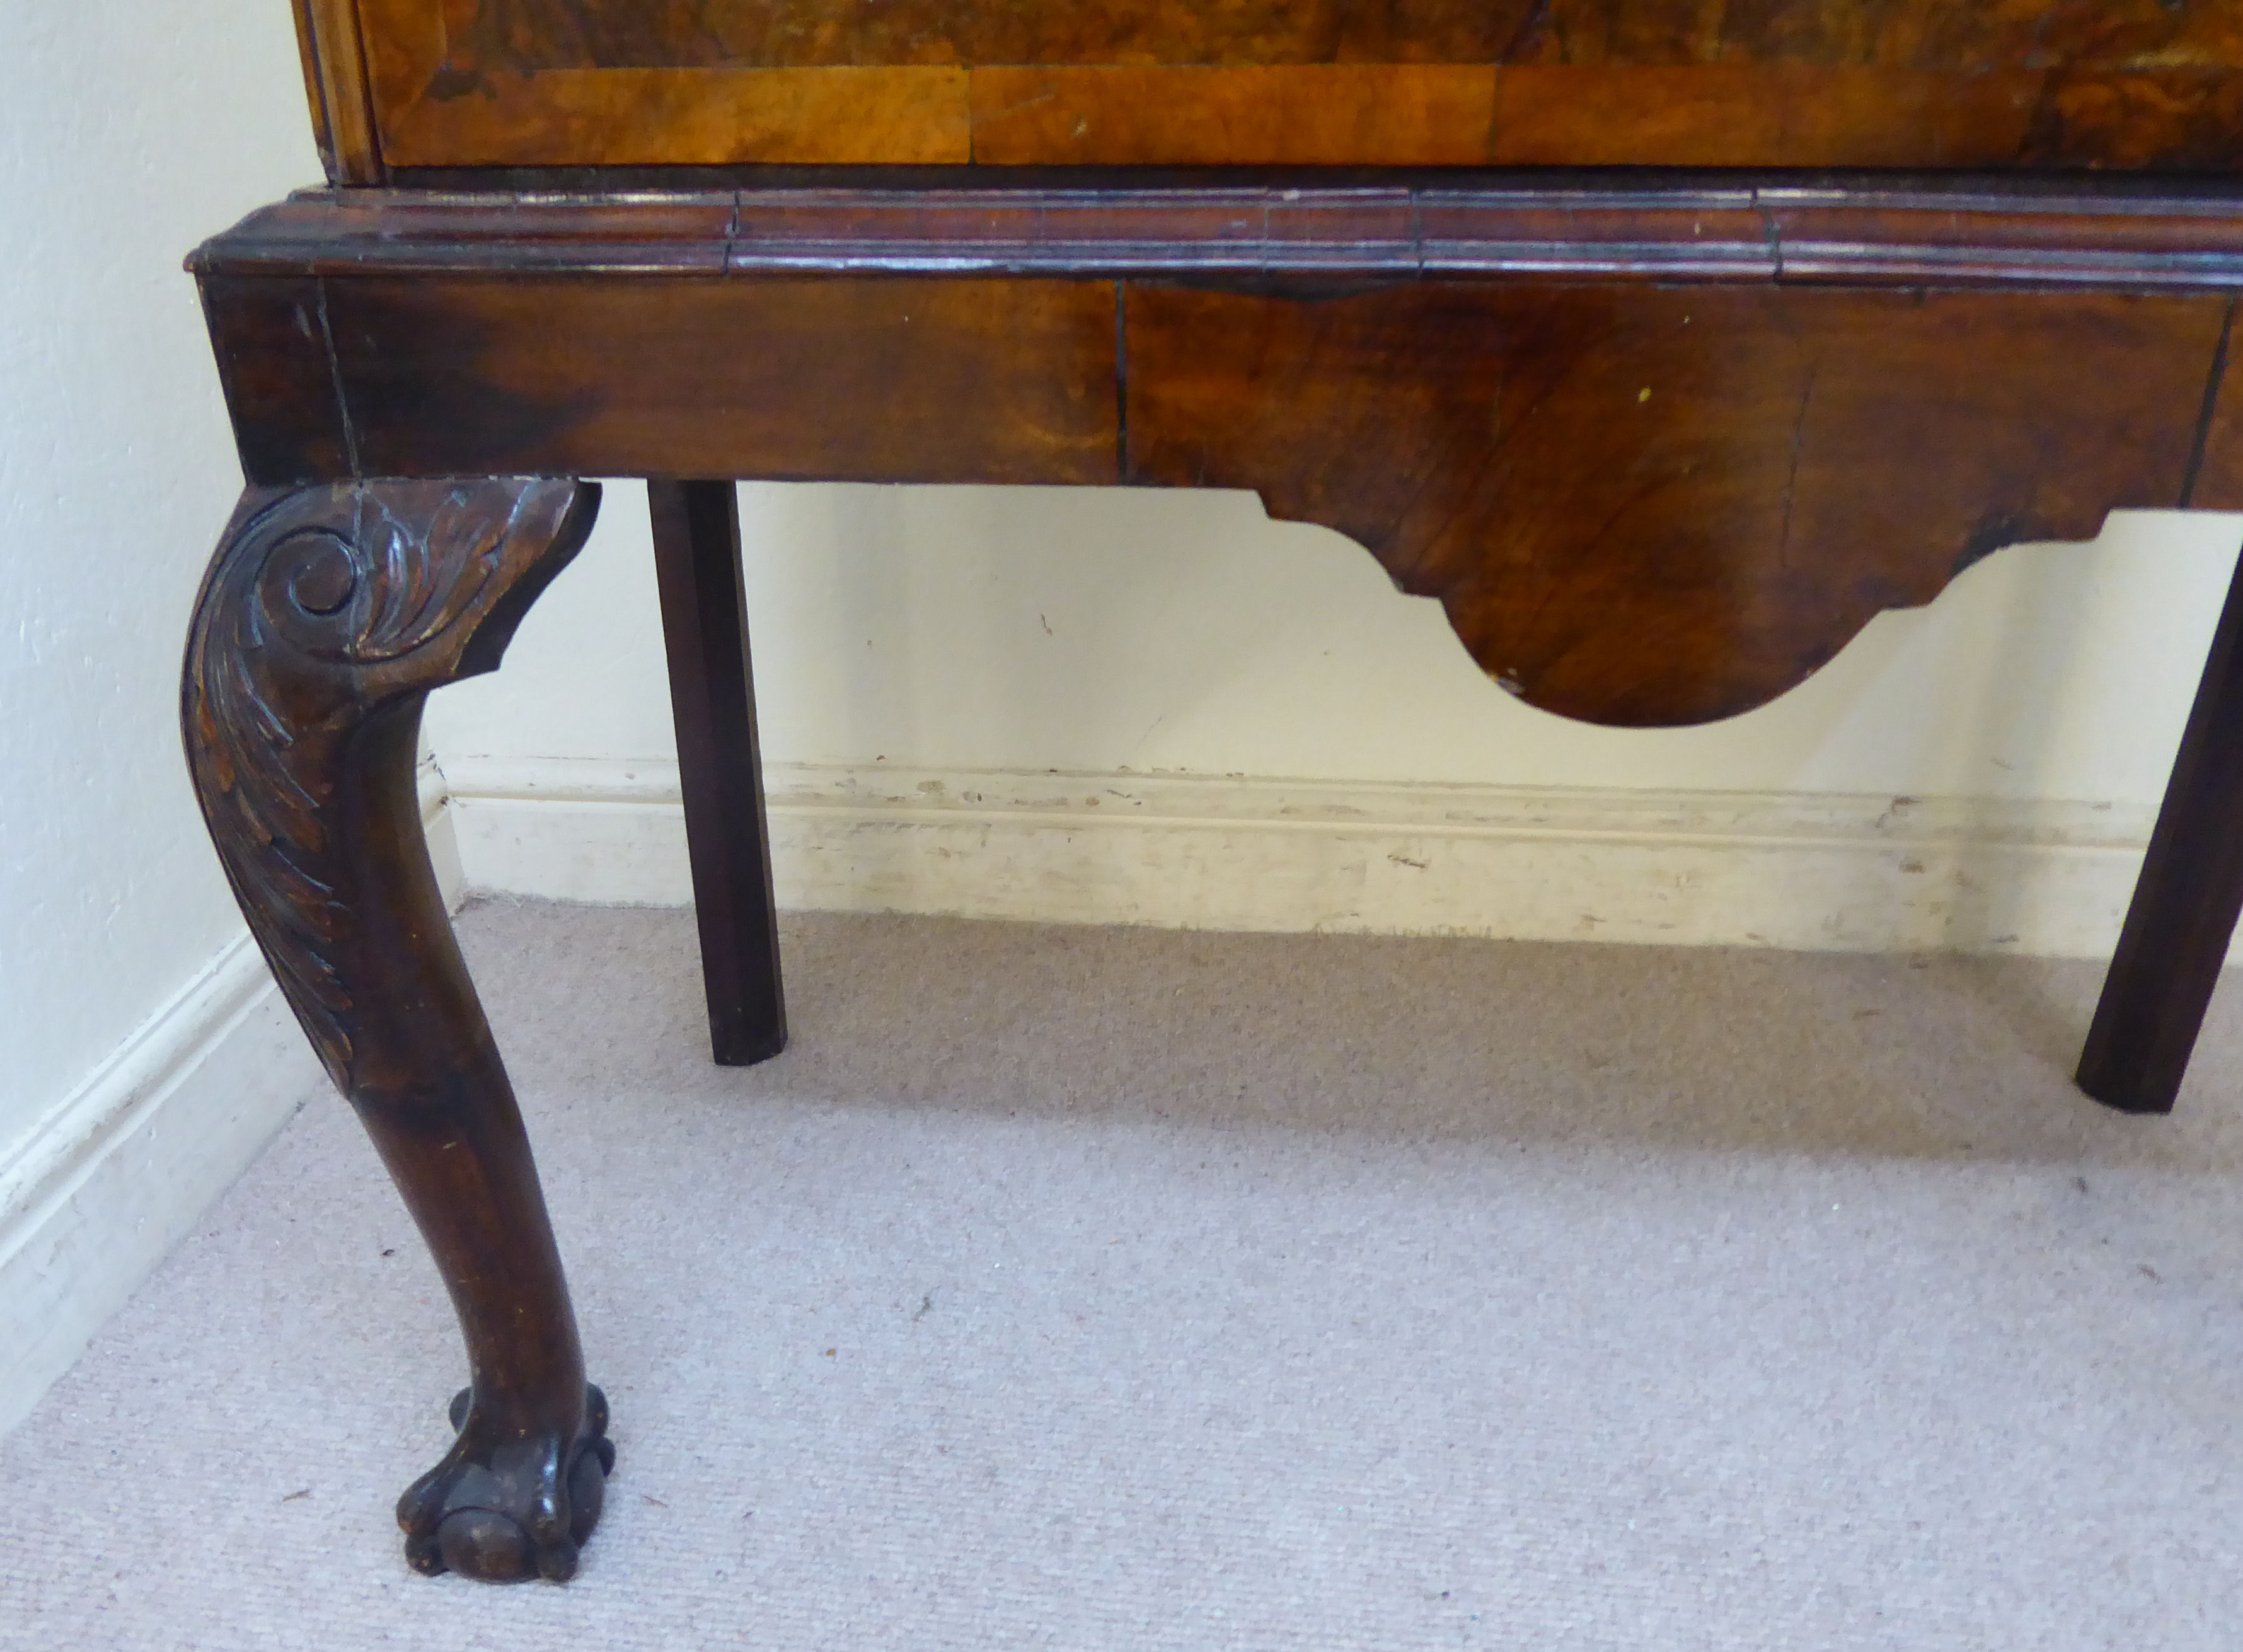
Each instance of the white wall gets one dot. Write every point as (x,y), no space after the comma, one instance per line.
(129,129)
(1107,630)
(122,142)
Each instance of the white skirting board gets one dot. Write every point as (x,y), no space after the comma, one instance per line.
(1811,871)
(442,832)
(122,1169)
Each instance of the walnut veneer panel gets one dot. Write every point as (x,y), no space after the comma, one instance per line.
(1644,506)
(2150,85)
(893,380)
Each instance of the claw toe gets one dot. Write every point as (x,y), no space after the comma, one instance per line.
(474,1542)
(588,1489)
(512,1510)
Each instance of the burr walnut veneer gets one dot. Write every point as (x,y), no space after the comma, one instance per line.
(1913,281)
(2044,83)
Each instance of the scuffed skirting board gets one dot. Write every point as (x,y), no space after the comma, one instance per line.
(439,827)
(1810,871)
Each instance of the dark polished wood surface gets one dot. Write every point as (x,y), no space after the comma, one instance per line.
(1653,506)
(712,690)
(1815,227)
(328,615)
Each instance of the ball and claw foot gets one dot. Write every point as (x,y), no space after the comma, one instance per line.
(505,1510)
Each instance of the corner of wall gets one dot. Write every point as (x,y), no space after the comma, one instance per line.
(120,1171)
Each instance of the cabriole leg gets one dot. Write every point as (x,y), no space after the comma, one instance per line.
(2186,903)
(328,614)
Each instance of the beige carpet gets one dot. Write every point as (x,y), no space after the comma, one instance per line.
(1103,1289)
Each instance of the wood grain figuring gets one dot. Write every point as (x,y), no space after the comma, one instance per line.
(691,118)
(2181,120)
(1934,34)
(894,381)
(1389,115)
(345,119)
(2138,85)
(1648,507)
(315,93)
(406,42)
(1762,115)
(527,36)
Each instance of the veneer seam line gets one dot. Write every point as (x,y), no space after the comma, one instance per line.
(336,383)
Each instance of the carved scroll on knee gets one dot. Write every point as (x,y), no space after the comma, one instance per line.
(326,609)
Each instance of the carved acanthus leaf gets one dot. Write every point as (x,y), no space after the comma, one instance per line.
(323,607)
